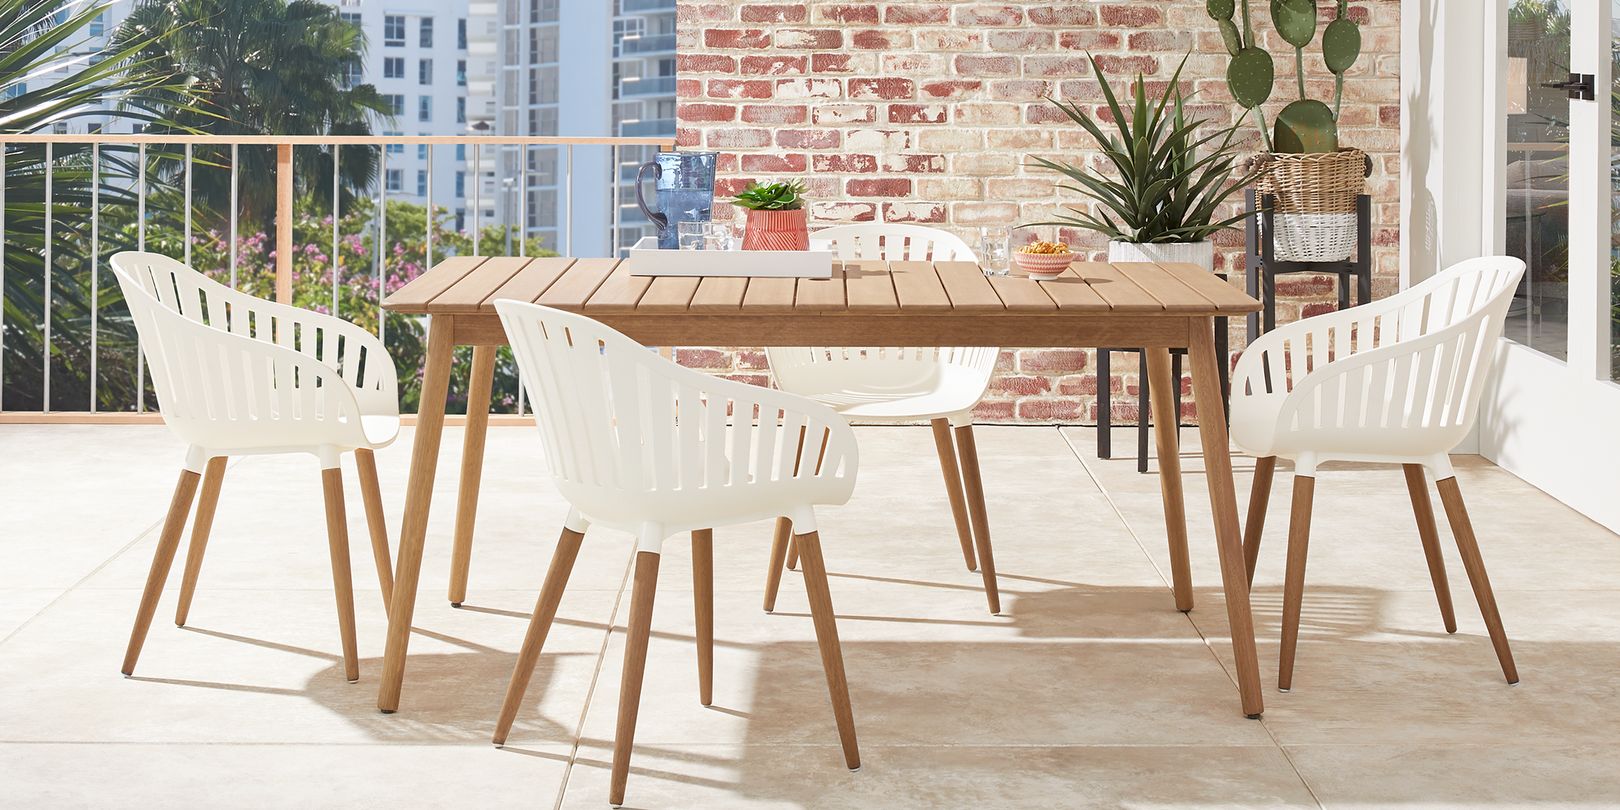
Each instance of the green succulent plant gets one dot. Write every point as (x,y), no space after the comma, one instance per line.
(1171,182)
(786,196)
(1306,124)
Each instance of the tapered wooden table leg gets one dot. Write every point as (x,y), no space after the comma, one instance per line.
(207,501)
(779,550)
(545,610)
(1463,529)
(973,486)
(635,665)
(472,468)
(953,489)
(1259,499)
(703,610)
(376,523)
(162,561)
(1423,509)
(1299,539)
(1165,431)
(1223,502)
(418,499)
(832,653)
(337,537)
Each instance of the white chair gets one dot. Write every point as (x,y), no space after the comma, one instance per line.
(901,385)
(640,444)
(1396,381)
(237,375)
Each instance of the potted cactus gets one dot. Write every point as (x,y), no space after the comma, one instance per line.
(776,216)
(1313,179)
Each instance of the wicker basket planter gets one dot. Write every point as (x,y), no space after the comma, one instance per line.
(1315,202)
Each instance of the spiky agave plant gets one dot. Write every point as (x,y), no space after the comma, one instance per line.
(1170,181)
(784,196)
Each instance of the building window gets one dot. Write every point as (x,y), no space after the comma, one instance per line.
(424,71)
(425,38)
(461,73)
(461,184)
(424,108)
(461,110)
(394,31)
(396,179)
(350,17)
(98,26)
(421,183)
(461,152)
(393,67)
(461,33)
(396,103)
(422,152)
(353,74)
(394,148)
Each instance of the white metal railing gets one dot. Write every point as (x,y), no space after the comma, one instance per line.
(182,147)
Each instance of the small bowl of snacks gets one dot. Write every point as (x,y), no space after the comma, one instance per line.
(1043,260)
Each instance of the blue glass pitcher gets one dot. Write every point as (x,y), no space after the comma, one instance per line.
(685,186)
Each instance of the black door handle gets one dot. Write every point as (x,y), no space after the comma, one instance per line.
(1581,86)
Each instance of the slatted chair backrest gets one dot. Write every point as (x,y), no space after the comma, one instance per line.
(892,242)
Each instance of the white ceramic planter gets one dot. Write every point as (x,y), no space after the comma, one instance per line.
(1198,253)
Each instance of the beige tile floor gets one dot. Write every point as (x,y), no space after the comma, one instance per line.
(1089,691)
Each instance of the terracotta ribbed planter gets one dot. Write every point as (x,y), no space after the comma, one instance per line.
(777,230)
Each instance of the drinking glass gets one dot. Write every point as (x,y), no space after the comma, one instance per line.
(721,236)
(694,235)
(994,246)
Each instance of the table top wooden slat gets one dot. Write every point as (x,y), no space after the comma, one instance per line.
(968,288)
(821,294)
(918,288)
(1122,294)
(1176,296)
(1221,293)
(768,295)
(578,283)
(670,294)
(468,294)
(1072,295)
(870,287)
(719,294)
(535,277)
(620,291)
(1018,295)
(415,297)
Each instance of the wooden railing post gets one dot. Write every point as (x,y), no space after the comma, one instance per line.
(284,223)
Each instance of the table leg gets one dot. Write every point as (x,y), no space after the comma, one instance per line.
(472,468)
(418,497)
(1223,502)
(1165,424)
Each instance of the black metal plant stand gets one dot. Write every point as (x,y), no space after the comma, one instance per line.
(1143,420)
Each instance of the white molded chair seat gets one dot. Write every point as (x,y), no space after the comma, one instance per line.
(881,384)
(637,443)
(238,375)
(1396,381)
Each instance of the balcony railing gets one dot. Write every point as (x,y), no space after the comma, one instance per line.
(67,349)
(647,45)
(648,86)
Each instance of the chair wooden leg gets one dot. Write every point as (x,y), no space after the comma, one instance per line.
(213,475)
(974,488)
(779,550)
(792,554)
(162,560)
(635,665)
(703,609)
(1463,529)
(1259,500)
(953,489)
(1423,510)
(545,609)
(1299,538)
(832,654)
(472,469)
(1166,430)
(376,523)
(337,537)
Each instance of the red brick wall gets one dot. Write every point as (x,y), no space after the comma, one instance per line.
(924,112)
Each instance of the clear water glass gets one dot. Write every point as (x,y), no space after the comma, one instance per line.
(694,235)
(994,250)
(721,236)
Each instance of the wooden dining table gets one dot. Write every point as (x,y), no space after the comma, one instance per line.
(866,303)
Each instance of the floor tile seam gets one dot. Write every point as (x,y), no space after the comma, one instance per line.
(596,675)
